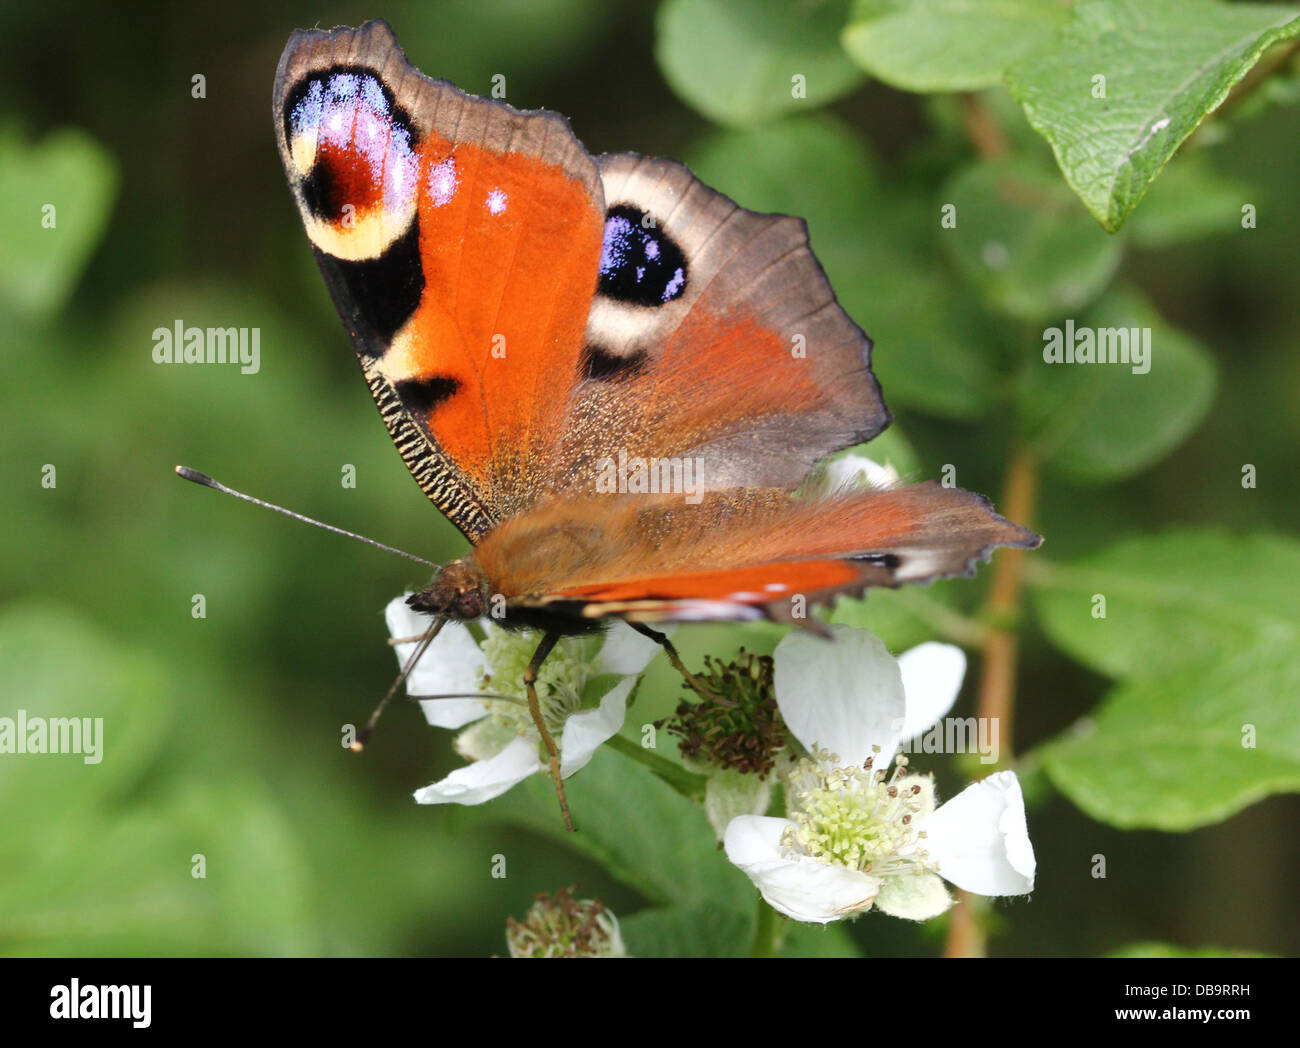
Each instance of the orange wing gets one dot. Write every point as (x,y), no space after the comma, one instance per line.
(460,240)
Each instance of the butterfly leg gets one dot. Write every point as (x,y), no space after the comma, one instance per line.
(535,708)
(675,659)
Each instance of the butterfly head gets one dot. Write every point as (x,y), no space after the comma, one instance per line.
(460,591)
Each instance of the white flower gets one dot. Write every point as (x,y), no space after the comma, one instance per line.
(932,676)
(499,737)
(851,472)
(858,833)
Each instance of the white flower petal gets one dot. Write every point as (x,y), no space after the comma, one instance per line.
(802,889)
(626,652)
(979,838)
(913,896)
(932,676)
(585,731)
(452,713)
(844,695)
(754,838)
(858,471)
(483,780)
(453,664)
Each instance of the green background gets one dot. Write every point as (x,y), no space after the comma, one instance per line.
(222,733)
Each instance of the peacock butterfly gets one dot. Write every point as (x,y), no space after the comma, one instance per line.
(530,319)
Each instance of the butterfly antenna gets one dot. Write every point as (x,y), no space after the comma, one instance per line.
(363,736)
(207,482)
(473,695)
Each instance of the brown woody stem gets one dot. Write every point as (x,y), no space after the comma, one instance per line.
(997,687)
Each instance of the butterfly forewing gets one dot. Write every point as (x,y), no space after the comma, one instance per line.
(460,240)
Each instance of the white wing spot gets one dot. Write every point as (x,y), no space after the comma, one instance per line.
(443,182)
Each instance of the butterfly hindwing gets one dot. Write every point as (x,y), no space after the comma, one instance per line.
(740,553)
(714,334)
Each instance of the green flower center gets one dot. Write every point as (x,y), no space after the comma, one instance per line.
(563,675)
(859,818)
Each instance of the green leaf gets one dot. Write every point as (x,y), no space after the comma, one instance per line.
(909,616)
(1191,201)
(56,665)
(113,874)
(122,883)
(645,834)
(947,45)
(935,348)
(818,940)
(1190,591)
(715,932)
(1165,66)
(740,62)
(814,167)
(1098,422)
(1168,950)
(681,932)
(1023,240)
(933,342)
(1190,747)
(55,199)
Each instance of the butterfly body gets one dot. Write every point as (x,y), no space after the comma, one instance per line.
(460,591)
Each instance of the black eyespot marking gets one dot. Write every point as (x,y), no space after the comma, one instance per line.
(420,396)
(639,263)
(378,294)
(600,365)
(324,194)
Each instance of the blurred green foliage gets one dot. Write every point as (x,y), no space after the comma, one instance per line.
(222,732)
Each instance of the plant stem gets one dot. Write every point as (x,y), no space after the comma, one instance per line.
(688,784)
(982,129)
(997,687)
(965,930)
(765,929)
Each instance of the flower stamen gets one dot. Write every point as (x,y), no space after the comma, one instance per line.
(858,818)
